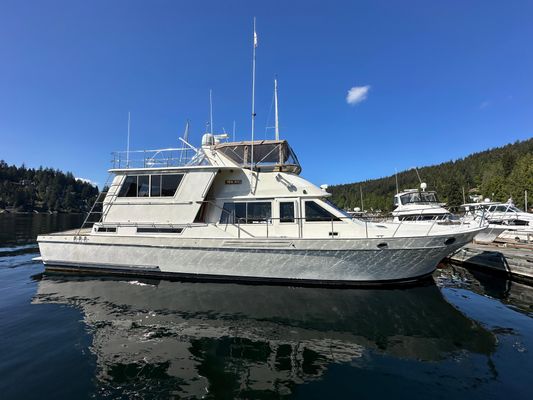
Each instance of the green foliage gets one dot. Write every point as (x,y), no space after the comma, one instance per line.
(43,189)
(498,173)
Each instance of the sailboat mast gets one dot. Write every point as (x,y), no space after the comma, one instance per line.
(276,108)
(253,96)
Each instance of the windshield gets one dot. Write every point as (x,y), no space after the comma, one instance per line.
(419,198)
(344,213)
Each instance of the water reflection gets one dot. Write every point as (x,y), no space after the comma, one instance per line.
(515,294)
(18,229)
(171,338)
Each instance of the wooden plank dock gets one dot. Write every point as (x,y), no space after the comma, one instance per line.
(511,260)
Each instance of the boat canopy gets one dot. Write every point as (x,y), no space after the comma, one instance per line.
(268,155)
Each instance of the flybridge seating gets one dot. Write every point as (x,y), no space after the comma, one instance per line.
(268,155)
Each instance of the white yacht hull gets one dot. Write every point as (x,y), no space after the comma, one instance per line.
(299,261)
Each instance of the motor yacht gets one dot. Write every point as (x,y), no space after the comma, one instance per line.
(505,220)
(497,213)
(240,211)
(415,205)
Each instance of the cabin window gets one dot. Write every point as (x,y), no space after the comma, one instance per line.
(246,213)
(286,211)
(143,184)
(315,212)
(129,187)
(155,185)
(159,230)
(258,212)
(106,229)
(150,185)
(169,184)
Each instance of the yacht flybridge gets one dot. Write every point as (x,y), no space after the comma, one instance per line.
(240,211)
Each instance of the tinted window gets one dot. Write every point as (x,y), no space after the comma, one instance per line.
(143,184)
(286,212)
(129,187)
(233,213)
(314,212)
(169,184)
(245,213)
(258,212)
(159,230)
(155,185)
(228,212)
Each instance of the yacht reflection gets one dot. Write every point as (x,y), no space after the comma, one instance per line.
(183,339)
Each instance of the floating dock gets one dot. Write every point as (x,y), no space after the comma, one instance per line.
(510,259)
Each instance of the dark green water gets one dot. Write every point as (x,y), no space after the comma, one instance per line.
(467,336)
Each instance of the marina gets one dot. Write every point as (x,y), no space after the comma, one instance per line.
(247,200)
(463,334)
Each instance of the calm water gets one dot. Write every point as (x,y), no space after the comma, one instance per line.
(468,336)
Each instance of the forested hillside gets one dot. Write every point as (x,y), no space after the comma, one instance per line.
(43,189)
(497,173)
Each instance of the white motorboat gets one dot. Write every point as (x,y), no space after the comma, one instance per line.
(505,220)
(416,205)
(497,213)
(240,211)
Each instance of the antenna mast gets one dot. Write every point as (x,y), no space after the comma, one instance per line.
(417,174)
(253,97)
(233,130)
(128,145)
(396,177)
(361,192)
(276,108)
(211,110)
(186,139)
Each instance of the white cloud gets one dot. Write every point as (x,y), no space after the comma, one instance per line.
(357,94)
(87,181)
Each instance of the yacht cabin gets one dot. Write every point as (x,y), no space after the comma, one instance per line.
(237,189)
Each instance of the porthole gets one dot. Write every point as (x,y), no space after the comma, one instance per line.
(383,246)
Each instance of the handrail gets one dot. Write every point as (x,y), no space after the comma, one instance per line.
(169,157)
(238,222)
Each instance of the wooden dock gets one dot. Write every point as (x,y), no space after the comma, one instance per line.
(512,260)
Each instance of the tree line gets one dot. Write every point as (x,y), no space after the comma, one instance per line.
(498,174)
(43,189)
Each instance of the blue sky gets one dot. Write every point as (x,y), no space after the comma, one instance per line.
(440,79)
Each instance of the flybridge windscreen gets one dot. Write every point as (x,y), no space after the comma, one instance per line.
(265,153)
(419,197)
